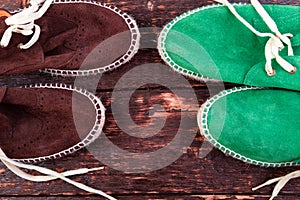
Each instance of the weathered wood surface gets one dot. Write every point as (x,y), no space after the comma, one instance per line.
(214,176)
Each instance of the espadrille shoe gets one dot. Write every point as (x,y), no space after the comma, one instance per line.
(70,38)
(47,121)
(237,43)
(255,125)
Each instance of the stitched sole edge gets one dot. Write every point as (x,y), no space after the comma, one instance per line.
(133,49)
(204,130)
(93,134)
(161,45)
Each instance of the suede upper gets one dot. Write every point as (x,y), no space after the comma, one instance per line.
(259,126)
(211,42)
(69,32)
(42,122)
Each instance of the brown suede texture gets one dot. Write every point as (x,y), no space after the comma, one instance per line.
(41,122)
(69,32)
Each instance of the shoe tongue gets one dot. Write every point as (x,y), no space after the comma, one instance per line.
(54,32)
(12,58)
(257,75)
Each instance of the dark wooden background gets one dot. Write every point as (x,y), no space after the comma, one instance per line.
(215,176)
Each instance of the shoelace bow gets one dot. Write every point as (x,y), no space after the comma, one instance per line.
(276,41)
(23,23)
(50,174)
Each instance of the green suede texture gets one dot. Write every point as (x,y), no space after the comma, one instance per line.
(213,43)
(262,125)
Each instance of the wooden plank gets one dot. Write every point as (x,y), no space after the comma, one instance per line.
(191,174)
(163,197)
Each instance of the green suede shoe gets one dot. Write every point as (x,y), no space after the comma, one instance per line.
(255,125)
(237,43)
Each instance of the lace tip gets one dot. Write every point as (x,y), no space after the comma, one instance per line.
(3,44)
(256,188)
(94,169)
(272,197)
(20,46)
(293,71)
(291,52)
(271,73)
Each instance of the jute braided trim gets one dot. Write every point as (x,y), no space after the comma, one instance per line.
(93,134)
(161,45)
(133,49)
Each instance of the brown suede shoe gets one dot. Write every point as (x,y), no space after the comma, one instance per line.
(76,38)
(47,121)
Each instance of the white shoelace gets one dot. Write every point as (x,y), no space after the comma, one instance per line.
(281,183)
(23,23)
(50,174)
(276,41)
